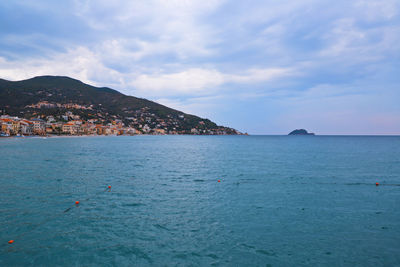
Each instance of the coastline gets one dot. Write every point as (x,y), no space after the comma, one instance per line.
(78,136)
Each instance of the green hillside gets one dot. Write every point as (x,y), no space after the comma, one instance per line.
(105,104)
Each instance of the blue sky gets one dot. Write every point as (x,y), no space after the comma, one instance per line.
(263,67)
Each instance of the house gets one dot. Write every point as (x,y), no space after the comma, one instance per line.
(9,126)
(50,119)
(194,131)
(39,126)
(159,131)
(146,128)
(5,126)
(26,127)
(107,131)
(15,124)
(131,131)
(90,128)
(69,128)
(99,129)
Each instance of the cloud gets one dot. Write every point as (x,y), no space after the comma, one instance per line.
(188,81)
(196,80)
(375,10)
(348,42)
(80,63)
(154,27)
(201,106)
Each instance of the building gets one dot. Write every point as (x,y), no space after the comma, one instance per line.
(99,129)
(159,131)
(39,126)
(5,127)
(146,129)
(89,128)
(8,126)
(69,128)
(26,127)
(15,124)
(194,131)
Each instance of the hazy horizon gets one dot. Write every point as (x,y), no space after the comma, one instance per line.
(261,67)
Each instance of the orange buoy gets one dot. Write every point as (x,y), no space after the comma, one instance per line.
(11,241)
(376,184)
(219,181)
(109,187)
(76,202)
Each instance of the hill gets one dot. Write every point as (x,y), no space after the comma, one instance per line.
(64,98)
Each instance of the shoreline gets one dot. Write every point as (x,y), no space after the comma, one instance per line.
(77,136)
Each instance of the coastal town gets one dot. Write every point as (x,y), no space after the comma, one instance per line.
(15,126)
(57,105)
(72,124)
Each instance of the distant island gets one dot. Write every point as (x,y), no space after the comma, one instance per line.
(57,105)
(300,132)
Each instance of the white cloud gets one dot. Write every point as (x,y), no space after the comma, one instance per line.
(79,63)
(260,75)
(154,27)
(88,66)
(197,80)
(189,81)
(377,10)
(200,106)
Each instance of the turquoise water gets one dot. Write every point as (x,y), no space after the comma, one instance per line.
(282,201)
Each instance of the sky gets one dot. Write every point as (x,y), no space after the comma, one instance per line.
(262,67)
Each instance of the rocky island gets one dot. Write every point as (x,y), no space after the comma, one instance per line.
(300,132)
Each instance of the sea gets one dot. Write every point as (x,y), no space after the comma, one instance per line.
(200,201)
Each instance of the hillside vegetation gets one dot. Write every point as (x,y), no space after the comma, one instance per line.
(44,96)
